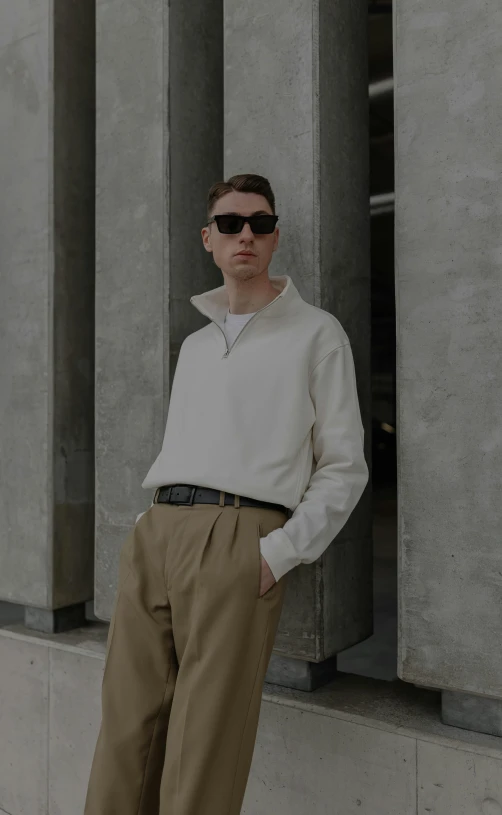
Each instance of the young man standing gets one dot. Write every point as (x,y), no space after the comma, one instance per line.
(261,465)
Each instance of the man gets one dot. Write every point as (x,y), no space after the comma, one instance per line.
(261,465)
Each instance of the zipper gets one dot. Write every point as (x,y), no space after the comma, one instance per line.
(225,338)
(225,355)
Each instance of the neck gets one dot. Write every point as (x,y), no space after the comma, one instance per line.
(248,296)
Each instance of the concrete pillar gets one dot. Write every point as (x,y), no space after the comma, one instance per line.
(448,74)
(46,309)
(159,149)
(296,111)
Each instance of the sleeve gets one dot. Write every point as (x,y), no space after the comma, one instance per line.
(341,472)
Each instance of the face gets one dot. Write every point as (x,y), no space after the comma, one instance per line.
(226,248)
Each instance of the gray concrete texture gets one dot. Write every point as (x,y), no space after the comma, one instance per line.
(355,746)
(472,712)
(159,149)
(46,307)
(296,111)
(448,75)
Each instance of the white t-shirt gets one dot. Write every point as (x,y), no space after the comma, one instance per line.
(234,323)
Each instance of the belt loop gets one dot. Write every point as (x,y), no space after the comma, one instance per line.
(156,494)
(222,498)
(237,501)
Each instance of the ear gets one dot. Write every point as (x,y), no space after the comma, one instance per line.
(206,238)
(276,239)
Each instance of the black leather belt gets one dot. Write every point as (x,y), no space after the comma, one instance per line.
(187,495)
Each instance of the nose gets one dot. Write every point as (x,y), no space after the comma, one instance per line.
(247,232)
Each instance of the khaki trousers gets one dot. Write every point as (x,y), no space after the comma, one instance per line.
(188,647)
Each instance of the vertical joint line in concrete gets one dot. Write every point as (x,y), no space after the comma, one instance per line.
(48,756)
(166,209)
(51,312)
(416,776)
(316,158)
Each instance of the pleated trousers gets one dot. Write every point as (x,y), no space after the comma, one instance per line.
(189,643)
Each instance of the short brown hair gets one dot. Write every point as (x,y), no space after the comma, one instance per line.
(246,182)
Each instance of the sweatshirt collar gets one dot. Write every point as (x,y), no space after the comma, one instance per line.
(215,303)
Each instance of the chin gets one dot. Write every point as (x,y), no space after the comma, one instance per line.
(242,270)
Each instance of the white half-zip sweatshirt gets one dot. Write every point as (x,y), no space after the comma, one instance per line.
(273,416)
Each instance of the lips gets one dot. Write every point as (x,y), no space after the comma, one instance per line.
(245,254)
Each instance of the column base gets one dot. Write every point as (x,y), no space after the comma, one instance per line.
(300,674)
(482,714)
(55,621)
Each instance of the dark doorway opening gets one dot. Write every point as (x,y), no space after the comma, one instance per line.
(376,657)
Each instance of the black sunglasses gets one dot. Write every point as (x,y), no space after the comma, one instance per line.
(233,224)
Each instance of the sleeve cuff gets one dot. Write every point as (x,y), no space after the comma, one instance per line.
(279,553)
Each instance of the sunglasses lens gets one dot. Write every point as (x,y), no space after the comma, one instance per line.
(230,224)
(263,224)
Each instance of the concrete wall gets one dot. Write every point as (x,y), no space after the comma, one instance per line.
(159,149)
(448,67)
(46,301)
(357,746)
(296,91)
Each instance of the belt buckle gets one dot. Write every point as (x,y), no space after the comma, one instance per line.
(188,503)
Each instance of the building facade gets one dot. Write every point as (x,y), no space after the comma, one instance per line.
(116,119)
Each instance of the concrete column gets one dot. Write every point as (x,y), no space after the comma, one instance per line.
(448,74)
(159,149)
(46,308)
(296,111)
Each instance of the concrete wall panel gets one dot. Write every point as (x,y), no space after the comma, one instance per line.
(46,301)
(296,112)
(73,727)
(24,707)
(456,782)
(448,66)
(159,149)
